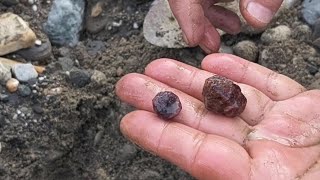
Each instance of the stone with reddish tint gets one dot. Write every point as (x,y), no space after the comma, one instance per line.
(223,97)
(166,104)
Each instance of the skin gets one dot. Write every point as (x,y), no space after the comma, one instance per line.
(199,19)
(276,137)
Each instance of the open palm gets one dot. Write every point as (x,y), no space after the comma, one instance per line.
(276,137)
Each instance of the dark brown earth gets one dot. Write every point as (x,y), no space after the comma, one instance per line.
(75,134)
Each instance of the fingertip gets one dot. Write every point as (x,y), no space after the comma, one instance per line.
(259,13)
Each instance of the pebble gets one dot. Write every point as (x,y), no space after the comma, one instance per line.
(225,49)
(127,152)
(15,34)
(302,31)
(98,77)
(31,2)
(247,50)
(135,25)
(24,72)
(5,74)
(12,85)
(37,109)
(34,7)
(79,78)
(277,34)
(9,2)
(97,9)
(65,22)
(41,51)
(311,11)
(24,90)
(4,97)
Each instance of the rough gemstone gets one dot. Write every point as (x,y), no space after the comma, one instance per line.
(167,105)
(223,97)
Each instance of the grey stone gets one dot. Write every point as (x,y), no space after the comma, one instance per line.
(127,152)
(65,22)
(37,52)
(65,63)
(247,50)
(37,109)
(24,72)
(79,78)
(9,2)
(277,34)
(311,11)
(24,90)
(4,97)
(98,77)
(5,74)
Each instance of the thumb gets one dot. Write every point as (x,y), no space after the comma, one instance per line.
(258,13)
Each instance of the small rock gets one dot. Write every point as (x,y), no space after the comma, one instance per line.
(302,32)
(38,52)
(97,9)
(37,109)
(127,152)
(12,85)
(79,78)
(4,97)
(247,50)
(65,22)
(5,74)
(225,49)
(34,8)
(311,11)
(31,2)
(312,69)
(24,72)
(98,77)
(135,25)
(15,34)
(24,90)
(9,2)
(119,71)
(277,34)
(65,63)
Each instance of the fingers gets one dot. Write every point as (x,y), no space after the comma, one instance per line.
(274,85)
(204,156)
(223,19)
(139,90)
(210,43)
(190,80)
(258,13)
(190,16)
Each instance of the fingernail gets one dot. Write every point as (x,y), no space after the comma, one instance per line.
(260,12)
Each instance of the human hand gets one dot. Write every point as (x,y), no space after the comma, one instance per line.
(276,137)
(199,18)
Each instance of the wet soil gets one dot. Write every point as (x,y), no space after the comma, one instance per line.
(75,134)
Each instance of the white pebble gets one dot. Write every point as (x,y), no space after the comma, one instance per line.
(34,7)
(135,25)
(117,24)
(41,78)
(18,111)
(38,42)
(31,2)
(34,91)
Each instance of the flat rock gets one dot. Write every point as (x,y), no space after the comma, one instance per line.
(5,74)
(37,52)
(15,34)
(24,72)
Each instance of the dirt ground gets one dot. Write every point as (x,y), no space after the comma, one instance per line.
(76,135)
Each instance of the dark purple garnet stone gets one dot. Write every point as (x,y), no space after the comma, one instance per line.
(222,96)
(166,104)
